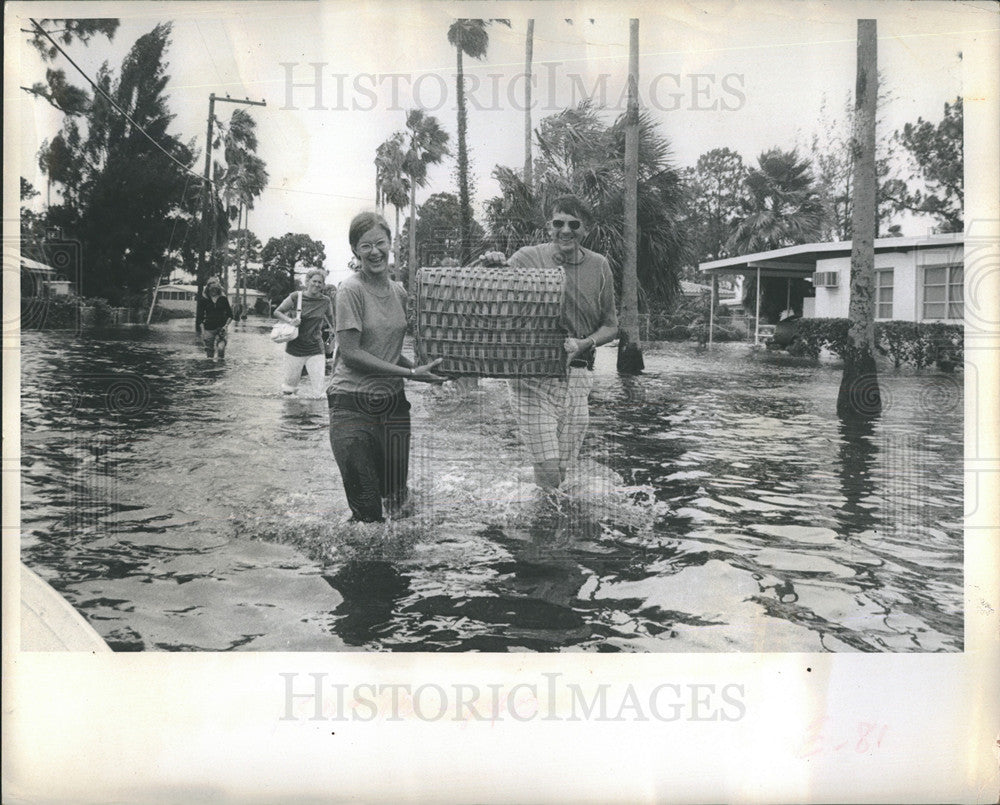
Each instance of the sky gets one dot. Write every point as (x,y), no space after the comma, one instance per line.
(747,76)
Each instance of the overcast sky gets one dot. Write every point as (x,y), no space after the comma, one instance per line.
(746,76)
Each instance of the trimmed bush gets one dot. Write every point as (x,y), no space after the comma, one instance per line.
(166,314)
(903,342)
(64,313)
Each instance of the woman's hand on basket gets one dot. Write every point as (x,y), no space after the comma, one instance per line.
(425,373)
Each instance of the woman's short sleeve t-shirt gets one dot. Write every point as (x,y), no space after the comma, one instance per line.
(379,315)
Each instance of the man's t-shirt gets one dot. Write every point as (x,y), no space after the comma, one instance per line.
(589,291)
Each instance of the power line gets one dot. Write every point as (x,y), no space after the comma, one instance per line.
(111,100)
(153,141)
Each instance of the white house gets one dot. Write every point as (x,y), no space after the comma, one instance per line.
(181,296)
(916,278)
(175,296)
(38,279)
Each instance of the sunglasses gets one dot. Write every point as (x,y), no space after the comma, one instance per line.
(558,223)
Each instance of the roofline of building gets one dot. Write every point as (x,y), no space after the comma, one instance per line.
(811,252)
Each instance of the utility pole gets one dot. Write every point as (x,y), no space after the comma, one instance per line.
(208,232)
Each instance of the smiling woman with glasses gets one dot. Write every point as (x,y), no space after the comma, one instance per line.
(552,412)
(369,413)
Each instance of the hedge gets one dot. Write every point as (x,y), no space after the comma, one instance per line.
(64,313)
(904,342)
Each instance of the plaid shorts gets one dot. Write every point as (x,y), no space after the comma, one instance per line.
(552,414)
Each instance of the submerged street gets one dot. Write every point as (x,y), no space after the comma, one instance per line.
(181,504)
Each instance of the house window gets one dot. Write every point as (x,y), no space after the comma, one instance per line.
(943,297)
(883,294)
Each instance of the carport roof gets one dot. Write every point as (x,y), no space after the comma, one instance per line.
(800,261)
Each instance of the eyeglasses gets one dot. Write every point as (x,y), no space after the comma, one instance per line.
(558,223)
(368,248)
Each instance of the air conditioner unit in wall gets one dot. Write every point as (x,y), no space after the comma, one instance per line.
(826,279)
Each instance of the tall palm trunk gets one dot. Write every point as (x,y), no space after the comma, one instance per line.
(246,252)
(464,204)
(629,352)
(859,396)
(404,274)
(528,48)
(239,250)
(411,265)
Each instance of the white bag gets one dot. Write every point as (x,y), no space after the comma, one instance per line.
(283,332)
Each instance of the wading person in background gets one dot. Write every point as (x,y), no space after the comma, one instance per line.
(308,349)
(552,412)
(369,412)
(212,315)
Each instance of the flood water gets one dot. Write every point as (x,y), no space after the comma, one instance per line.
(181,504)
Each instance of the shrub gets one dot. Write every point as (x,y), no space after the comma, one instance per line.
(735,331)
(102,312)
(166,314)
(812,335)
(64,313)
(896,339)
(916,343)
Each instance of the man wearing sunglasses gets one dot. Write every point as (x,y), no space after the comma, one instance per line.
(552,412)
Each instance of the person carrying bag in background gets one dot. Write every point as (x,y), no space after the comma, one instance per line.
(313,309)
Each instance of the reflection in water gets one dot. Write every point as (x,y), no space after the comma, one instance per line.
(721,506)
(856,459)
(370,590)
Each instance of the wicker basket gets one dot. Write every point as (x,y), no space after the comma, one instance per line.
(491,322)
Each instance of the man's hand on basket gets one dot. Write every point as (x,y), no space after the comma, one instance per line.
(492,259)
(425,373)
(577,346)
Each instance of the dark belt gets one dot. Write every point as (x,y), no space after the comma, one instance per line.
(580,363)
(372,404)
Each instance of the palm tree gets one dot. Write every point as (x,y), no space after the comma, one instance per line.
(528,51)
(782,207)
(859,396)
(245,175)
(391,184)
(427,145)
(580,154)
(467,36)
(629,351)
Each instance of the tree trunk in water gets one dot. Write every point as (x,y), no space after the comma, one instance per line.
(629,352)
(464,204)
(411,265)
(239,251)
(404,275)
(859,396)
(246,252)
(529,47)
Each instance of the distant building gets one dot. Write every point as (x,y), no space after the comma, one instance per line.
(916,279)
(175,296)
(183,297)
(38,279)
